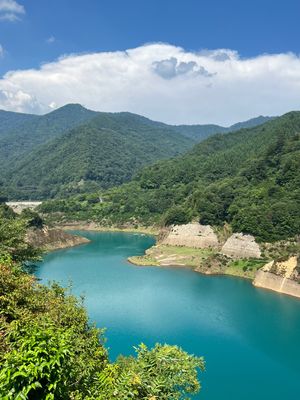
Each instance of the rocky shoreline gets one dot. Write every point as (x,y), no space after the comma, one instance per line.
(190,246)
(198,247)
(280,276)
(53,239)
(93,226)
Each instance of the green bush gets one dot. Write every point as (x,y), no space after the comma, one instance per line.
(176,216)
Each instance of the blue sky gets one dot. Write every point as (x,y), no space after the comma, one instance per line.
(250,27)
(34,33)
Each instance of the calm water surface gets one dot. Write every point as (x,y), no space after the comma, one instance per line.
(249,337)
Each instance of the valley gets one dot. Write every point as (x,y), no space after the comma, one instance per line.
(149,200)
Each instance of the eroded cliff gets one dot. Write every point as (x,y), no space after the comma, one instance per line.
(281,276)
(52,239)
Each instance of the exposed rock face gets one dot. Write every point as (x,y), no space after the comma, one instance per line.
(241,246)
(19,206)
(80,225)
(52,239)
(282,277)
(192,235)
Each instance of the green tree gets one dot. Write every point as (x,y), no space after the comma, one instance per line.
(12,237)
(176,215)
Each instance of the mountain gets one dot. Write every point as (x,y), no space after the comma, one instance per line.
(73,149)
(20,133)
(201,132)
(12,120)
(24,132)
(250,123)
(104,152)
(249,179)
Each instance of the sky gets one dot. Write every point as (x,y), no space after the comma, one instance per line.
(176,61)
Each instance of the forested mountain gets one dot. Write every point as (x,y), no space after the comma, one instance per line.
(73,149)
(104,152)
(20,133)
(249,178)
(12,120)
(201,132)
(25,135)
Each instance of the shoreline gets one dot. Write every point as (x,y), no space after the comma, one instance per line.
(93,227)
(53,239)
(194,259)
(206,261)
(134,261)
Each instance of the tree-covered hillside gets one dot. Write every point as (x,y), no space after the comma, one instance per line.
(101,153)
(11,120)
(249,178)
(30,131)
(201,132)
(60,153)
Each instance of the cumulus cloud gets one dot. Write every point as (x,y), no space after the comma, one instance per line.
(162,82)
(11,11)
(171,68)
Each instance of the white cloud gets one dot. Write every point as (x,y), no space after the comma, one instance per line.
(50,39)
(211,86)
(171,68)
(10,10)
(1,51)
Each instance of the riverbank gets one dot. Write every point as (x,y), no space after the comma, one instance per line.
(205,261)
(93,226)
(211,260)
(53,239)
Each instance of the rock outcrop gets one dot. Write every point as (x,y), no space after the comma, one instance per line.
(19,206)
(192,235)
(282,277)
(241,246)
(53,239)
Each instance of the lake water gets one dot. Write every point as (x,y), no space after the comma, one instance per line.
(250,337)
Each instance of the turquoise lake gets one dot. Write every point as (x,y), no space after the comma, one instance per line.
(250,337)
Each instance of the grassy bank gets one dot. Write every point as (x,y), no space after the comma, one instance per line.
(206,261)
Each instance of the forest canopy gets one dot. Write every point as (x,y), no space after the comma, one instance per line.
(249,179)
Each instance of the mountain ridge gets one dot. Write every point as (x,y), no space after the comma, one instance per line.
(249,179)
(80,149)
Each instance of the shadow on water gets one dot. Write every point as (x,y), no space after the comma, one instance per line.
(31,268)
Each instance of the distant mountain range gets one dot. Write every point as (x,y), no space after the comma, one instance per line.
(201,132)
(73,149)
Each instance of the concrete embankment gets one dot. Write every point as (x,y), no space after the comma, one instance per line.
(282,277)
(192,235)
(267,280)
(197,246)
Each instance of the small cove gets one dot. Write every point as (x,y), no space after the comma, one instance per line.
(249,337)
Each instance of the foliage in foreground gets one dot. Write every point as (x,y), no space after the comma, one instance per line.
(49,350)
(12,233)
